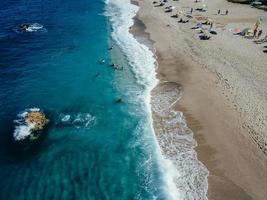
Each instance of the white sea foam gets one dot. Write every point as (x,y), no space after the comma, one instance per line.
(79,120)
(139,56)
(22,131)
(179,183)
(65,118)
(22,128)
(35,27)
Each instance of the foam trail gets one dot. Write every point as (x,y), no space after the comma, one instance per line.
(79,120)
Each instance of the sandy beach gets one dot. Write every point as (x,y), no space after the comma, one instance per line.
(219,86)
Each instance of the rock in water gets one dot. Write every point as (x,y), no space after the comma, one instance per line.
(30,124)
(37,118)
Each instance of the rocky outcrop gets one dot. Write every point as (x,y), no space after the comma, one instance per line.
(38,119)
(30,125)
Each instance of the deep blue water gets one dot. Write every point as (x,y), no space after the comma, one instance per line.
(110,154)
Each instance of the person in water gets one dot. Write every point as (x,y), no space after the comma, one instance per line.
(119,100)
(24,27)
(102,61)
(96,75)
(117,67)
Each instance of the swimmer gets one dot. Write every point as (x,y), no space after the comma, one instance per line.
(24,27)
(103,61)
(119,100)
(118,67)
(96,75)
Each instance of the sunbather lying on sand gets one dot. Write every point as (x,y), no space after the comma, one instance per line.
(198,26)
(200,9)
(204,37)
(175,16)
(183,21)
(161,4)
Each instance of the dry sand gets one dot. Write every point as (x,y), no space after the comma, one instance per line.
(224,92)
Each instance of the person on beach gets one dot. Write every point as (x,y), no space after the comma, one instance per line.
(211,25)
(254,33)
(219,11)
(264,40)
(191,11)
(255,29)
(226,12)
(175,16)
(259,34)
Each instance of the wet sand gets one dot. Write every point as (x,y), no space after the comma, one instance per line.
(223,93)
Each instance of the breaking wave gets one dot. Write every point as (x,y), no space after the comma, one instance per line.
(184,176)
(142,63)
(22,128)
(177,143)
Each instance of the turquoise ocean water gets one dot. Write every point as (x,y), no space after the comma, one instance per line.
(94,147)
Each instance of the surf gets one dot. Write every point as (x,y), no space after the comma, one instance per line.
(178,181)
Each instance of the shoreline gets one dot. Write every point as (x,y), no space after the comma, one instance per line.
(195,184)
(227,160)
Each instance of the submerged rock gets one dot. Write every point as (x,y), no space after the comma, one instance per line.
(30,125)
